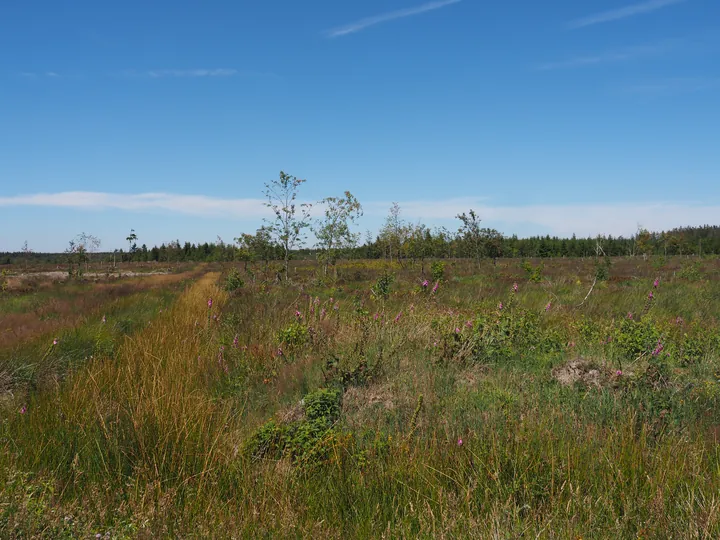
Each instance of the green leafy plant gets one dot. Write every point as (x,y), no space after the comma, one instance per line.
(381,288)
(294,335)
(233,281)
(534,273)
(437,271)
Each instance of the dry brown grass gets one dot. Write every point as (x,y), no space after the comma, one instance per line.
(70,309)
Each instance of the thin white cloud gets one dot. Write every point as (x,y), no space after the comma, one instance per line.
(563,220)
(622,13)
(671,86)
(629,53)
(222,72)
(386,17)
(197,205)
(33,75)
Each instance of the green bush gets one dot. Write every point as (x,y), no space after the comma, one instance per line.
(381,288)
(634,337)
(233,281)
(294,335)
(534,273)
(437,271)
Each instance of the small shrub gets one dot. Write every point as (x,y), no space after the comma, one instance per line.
(437,271)
(534,273)
(294,335)
(233,281)
(690,271)
(323,404)
(381,288)
(636,337)
(602,269)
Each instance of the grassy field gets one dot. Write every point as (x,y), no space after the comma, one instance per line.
(545,399)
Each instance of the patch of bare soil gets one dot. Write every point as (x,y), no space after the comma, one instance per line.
(581,370)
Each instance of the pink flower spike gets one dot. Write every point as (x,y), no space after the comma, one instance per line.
(298,314)
(425,284)
(651,295)
(548,306)
(629,315)
(457,330)
(23,409)
(397,317)
(619,373)
(460,442)
(500,306)
(656,283)
(55,341)
(210,303)
(515,287)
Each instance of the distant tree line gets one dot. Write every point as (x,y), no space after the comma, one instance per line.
(414,243)
(283,237)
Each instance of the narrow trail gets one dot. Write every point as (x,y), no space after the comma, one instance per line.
(150,410)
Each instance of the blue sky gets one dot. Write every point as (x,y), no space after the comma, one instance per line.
(546,117)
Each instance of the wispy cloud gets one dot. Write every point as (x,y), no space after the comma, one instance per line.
(619,55)
(198,205)
(221,72)
(622,13)
(386,17)
(35,75)
(193,73)
(566,219)
(671,86)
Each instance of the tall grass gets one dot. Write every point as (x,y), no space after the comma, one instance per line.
(449,420)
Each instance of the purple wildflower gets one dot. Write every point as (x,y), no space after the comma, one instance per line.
(298,315)
(209,303)
(397,317)
(515,287)
(656,283)
(500,305)
(279,351)
(23,409)
(619,373)
(548,306)
(629,315)
(468,324)
(658,349)
(460,442)
(435,287)
(55,341)
(457,330)
(651,295)
(425,284)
